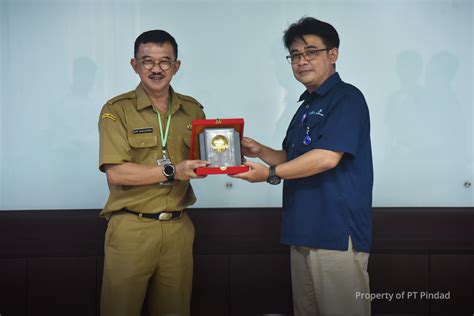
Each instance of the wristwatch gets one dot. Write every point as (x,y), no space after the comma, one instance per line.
(168,171)
(272,177)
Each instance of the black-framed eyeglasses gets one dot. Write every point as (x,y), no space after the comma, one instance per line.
(149,63)
(308,55)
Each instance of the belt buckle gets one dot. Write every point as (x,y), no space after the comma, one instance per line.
(165,216)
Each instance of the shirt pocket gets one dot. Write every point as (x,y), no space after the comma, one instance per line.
(144,148)
(312,128)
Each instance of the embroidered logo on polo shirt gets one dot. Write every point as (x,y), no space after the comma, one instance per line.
(320,112)
(143,130)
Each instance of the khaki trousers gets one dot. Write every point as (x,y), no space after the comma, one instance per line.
(325,282)
(146,257)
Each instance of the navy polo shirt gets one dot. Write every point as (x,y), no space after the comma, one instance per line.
(323,210)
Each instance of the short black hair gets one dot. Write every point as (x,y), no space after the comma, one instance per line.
(311,26)
(157,37)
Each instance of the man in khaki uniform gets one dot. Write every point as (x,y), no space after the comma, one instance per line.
(144,142)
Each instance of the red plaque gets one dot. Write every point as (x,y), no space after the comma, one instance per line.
(218,140)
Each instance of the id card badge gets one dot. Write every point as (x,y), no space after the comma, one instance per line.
(163,162)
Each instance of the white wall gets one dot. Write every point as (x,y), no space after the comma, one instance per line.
(2,63)
(61,61)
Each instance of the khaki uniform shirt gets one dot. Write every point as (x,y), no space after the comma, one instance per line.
(129,132)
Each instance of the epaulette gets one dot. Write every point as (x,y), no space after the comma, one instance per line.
(124,96)
(187,98)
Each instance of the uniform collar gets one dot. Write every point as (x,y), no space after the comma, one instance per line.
(323,89)
(143,101)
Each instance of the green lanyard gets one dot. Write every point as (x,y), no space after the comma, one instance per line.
(164,137)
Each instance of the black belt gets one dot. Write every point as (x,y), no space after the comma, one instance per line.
(161,216)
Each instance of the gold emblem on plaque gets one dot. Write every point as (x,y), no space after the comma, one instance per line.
(219,143)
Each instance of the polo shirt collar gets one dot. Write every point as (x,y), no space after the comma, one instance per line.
(143,101)
(323,89)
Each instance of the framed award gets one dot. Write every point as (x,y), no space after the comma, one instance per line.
(218,141)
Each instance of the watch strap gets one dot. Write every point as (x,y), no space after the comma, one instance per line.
(272,177)
(271,171)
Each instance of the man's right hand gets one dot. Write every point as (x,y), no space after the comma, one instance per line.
(185,169)
(250,147)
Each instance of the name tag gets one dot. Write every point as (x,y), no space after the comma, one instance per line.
(143,130)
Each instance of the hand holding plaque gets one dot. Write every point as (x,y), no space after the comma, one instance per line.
(218,141)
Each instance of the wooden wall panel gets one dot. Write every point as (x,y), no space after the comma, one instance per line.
(423,229)
(62,286)
(61,254)
(237,231)
(260,284)
(453,274)
(13,287)
(69,233)
(399,273)
(211,286)
(100,270)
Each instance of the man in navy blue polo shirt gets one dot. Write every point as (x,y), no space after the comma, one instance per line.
(326,162)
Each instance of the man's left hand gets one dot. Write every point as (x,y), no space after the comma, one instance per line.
(257,173)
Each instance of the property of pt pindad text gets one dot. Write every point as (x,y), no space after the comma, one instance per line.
(404,295)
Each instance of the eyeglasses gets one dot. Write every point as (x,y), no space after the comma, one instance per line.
(308,55)
(149,63)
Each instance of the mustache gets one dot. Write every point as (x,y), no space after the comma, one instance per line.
(160,74)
